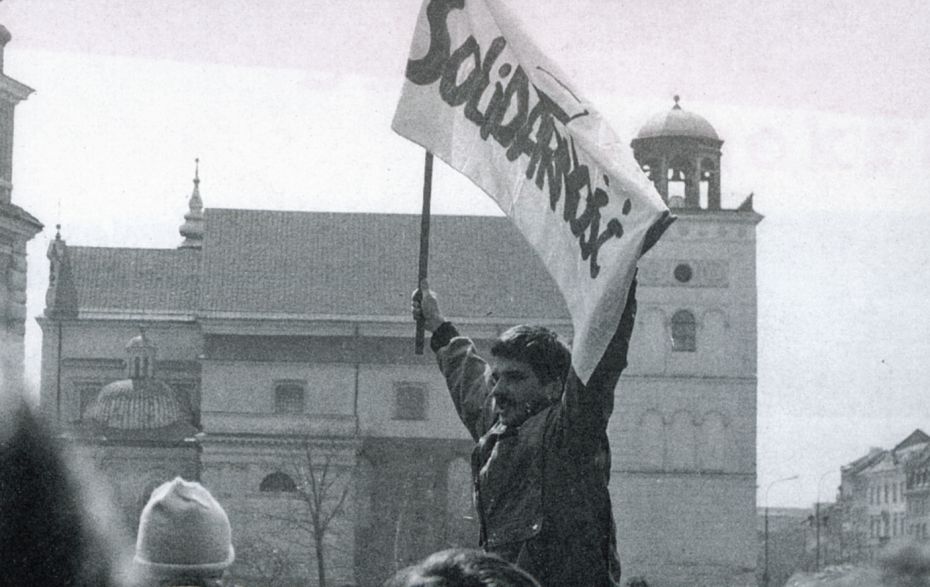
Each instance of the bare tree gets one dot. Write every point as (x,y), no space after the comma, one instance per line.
(321,489)
(854,531)
(261,559)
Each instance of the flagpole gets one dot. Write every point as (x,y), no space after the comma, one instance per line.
(424,240)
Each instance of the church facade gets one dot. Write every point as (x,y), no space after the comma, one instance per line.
(17,227)
(271,356)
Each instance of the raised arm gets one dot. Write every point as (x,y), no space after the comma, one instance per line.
(467,374)
(587,408)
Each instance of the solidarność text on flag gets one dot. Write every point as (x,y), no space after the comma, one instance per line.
(480,96)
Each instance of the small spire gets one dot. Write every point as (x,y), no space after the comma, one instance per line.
(58,232)
(192,229)
(676,106)
(195,201)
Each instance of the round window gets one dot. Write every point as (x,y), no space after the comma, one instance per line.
(683,272)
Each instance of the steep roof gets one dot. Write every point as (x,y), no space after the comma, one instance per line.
(916,437)
(150,280)
(336,264)
(284,264)
(864,462)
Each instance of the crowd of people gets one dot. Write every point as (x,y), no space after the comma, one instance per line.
(540,468)
(57,529)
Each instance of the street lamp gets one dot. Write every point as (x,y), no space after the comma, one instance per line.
(765,571)
(817,519)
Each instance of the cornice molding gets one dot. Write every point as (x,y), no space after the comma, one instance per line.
(12,90)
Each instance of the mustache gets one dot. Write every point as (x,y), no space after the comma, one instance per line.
(503,402)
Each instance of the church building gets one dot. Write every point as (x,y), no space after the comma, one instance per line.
(271,356)
(17,227)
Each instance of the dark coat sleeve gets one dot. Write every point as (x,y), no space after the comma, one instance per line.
(586,409)
(467,378)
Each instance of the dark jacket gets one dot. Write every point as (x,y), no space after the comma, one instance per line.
(541,488)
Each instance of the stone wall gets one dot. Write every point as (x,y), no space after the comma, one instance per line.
(14,233)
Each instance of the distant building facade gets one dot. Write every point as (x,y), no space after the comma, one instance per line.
(285,340)
(17,227)
(882,499)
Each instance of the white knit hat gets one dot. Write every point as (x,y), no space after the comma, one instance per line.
(183,530)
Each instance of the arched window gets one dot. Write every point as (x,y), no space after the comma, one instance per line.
(684,332)
(651,168)
(708,198)
(678,175)
(277,482)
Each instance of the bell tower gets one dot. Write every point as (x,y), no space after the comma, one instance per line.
(680,152)
(684,428)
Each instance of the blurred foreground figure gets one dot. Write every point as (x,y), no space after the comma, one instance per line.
(459,567)
(184,537)
(55,527)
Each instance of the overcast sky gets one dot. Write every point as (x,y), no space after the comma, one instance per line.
(288,103)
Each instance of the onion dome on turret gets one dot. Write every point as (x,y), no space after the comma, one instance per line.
(140,406)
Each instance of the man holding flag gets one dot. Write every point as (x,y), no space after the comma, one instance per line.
(480,96)
(542,461)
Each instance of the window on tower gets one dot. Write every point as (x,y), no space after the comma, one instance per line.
(684,332)
(678,175)
(651,169)
(683,273)
(707,186)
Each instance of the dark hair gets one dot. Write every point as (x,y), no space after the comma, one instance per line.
(51,527)
(538,347)
(460,567)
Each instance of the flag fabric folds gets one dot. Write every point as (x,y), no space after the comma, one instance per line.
(481,96)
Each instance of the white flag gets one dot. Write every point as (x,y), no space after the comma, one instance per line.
(480,96)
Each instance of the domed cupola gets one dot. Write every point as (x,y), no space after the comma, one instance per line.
(140,404)
(680,152)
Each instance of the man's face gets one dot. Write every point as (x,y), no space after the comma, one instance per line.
(517,392)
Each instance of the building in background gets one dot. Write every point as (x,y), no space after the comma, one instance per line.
(881,500)
(17,227)
(285,375)
(917,494)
